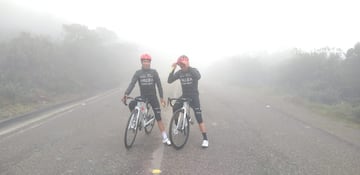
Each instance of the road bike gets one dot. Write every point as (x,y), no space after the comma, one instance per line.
(141,117)
(179,129)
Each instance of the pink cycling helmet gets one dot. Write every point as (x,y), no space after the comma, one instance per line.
(183,59)
(145,57)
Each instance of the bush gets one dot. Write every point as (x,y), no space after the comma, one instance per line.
(356,113)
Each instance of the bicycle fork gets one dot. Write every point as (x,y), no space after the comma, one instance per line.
(135,120)
(182,123)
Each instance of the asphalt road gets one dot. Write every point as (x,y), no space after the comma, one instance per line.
(249,133)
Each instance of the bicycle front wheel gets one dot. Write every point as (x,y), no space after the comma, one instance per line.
(179,129)
(131,129)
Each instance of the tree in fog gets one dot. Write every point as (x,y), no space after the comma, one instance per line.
(35,67)
(314,75)
(25,66)
(350,74)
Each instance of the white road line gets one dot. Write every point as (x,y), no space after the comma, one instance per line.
(55,112)
(157,158)
(158,153)
(37,119)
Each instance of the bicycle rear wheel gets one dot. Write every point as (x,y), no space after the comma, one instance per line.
(150,116)
(179,129)
(131,129)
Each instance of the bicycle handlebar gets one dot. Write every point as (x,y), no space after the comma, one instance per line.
(124,100)
(182,99)
(138,99)
(169,101)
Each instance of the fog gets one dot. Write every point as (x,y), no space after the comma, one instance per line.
(15,19)
(45,58)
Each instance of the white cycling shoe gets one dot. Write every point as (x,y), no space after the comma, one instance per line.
(166,141)
(205,144)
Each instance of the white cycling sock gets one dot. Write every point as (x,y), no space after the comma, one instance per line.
(164,135)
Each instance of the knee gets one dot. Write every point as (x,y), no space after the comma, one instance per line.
(198,115)
(157,112)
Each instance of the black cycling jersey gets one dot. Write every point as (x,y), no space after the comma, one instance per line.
(189,80)
(147,79)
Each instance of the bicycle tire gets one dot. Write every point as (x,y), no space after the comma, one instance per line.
(131,128)
(179,136)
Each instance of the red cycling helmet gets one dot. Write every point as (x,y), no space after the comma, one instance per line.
(145,57)
(183,59)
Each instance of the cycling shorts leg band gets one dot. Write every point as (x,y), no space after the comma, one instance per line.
(198,115)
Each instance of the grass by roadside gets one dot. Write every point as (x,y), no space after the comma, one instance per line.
(344,111)
(16,109)
(8,111)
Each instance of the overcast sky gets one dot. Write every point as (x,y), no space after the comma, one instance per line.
(215,28)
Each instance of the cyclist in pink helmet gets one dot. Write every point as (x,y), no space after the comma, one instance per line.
(147,78)
(189,78)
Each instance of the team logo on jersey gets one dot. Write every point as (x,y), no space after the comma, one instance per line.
(186,79)
(146,79)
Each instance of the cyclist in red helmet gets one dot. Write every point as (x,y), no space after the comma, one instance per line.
(189,78)
(147,78)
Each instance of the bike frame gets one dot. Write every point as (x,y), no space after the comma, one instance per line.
(180,122)
(140,117)
(186,109)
